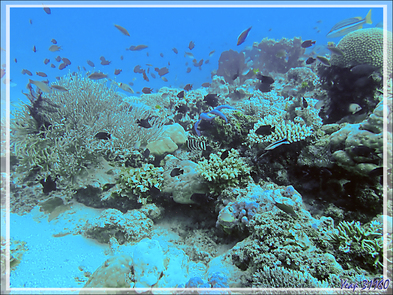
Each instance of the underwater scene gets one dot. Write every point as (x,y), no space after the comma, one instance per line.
(196,147)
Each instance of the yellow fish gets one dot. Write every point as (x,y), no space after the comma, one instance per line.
(123,30)
(127,88)
(349,25)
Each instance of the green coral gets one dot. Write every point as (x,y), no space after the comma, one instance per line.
(223,173)
(363,243)
(364,47)
(139,181)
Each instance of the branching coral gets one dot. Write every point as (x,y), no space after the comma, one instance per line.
(221,173)
(140,181)
(363,243)
(290,130)
(67,143)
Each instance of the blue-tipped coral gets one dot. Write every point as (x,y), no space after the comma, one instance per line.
(215,112)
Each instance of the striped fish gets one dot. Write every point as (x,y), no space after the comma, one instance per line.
(349,25)
(196,145)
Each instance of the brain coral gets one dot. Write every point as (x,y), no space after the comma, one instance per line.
(364,46)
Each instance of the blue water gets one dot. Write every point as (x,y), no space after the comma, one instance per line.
(88,33)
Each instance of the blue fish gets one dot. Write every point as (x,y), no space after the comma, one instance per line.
(242,37)
(349,25)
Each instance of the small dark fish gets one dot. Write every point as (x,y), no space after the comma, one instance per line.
(102,58)
(265,130)
(107,186)
(58,58)
(30,21)
(176,172)
(121,57)
(163,71)
(265,79)
(105,62)
(224,155)
(118,71)
(191,45)
(48,184)
(188,87)
(103,135)
(242,37)
(53,41)
(24,71)
(152,75)
(310,60)
(47,10)
(183,109)
(175,50)
(143,123)
(206,84)
(62,66)
(305,103)
(146,153)
(363,70)
(34,49)
(211,100)
(376,172)
(211,53)
(147,90)
(46,61)
(138,69)
(188,70)
(180,94)
(130,83)
(145,76)
(41,74)
(66,61)
(287,209)
(308,43)
(164,79)
(138,47)
(15,60)
(198,64)
(161,54)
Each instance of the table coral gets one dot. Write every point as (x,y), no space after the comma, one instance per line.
(364,47)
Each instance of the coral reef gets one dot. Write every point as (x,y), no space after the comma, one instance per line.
(232,65)
(113,273)
(140,181)
(186,184)
(358,147)
(291,131)
(364,47)
(221,172)
(276,56)
(362,245)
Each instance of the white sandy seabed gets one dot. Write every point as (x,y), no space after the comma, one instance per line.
(56,262)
